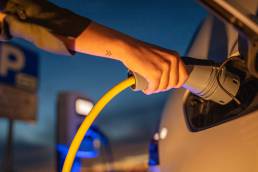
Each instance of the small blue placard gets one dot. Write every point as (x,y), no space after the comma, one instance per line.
(18,66)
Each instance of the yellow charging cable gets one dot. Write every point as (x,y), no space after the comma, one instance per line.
(103,101)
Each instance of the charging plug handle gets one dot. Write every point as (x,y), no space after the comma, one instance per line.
(202,81)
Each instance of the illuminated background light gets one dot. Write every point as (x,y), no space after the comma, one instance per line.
(156,136)
(83,107)
(163,133)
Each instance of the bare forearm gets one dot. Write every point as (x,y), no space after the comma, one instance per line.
(102,41)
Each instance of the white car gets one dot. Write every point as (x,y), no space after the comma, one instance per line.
(202,136)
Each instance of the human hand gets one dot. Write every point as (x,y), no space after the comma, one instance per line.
(163,69)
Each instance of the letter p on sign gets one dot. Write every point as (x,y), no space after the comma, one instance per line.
(7,64)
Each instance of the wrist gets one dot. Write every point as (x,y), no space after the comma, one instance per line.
(125,46)
(102,41)
(122,45)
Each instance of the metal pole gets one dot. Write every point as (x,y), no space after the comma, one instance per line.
(8,158)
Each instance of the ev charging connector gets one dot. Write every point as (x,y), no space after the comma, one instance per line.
(203,82)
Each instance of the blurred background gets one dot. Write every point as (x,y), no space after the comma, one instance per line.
(130,120)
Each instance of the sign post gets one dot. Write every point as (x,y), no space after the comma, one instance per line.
(18,90)
(8,161)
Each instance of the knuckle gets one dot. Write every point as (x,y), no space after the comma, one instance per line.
(167,65)
(164,64)
(173,82)
(175,54)
(174,60)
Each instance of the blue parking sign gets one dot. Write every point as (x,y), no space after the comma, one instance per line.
(18,82)
(18,67)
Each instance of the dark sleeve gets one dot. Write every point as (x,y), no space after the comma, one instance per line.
(44,13)
(36,20)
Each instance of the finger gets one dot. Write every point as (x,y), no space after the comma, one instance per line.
(151,88)
(164,80)
(173,77)
(164,66)
(153,81)
(183,75)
